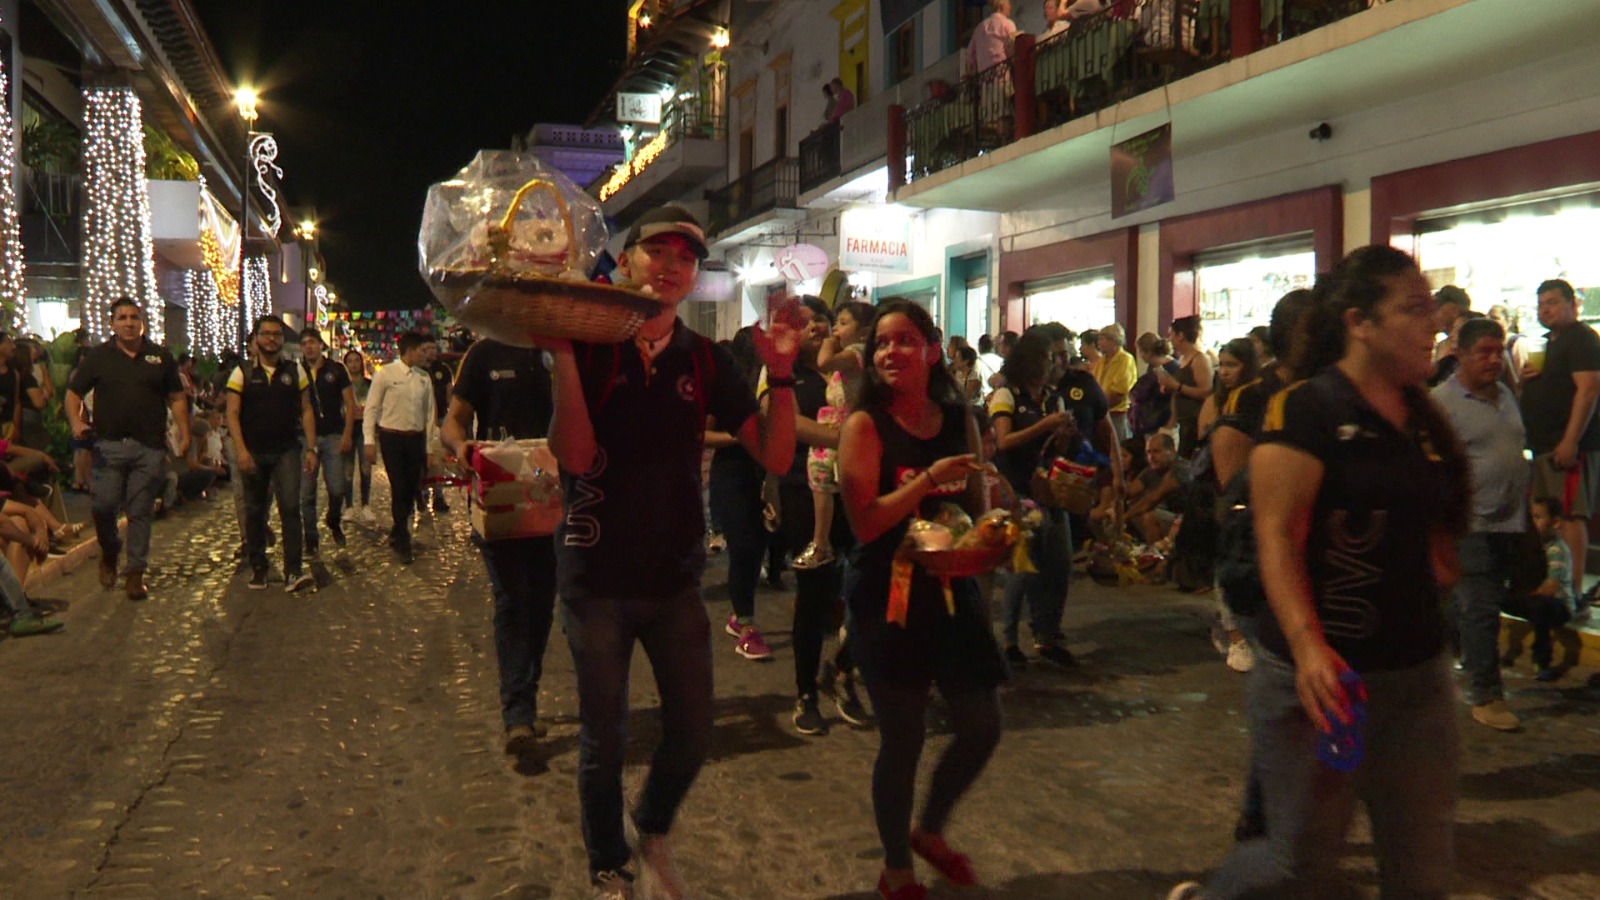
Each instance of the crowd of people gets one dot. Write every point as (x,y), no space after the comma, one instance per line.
(1361,530)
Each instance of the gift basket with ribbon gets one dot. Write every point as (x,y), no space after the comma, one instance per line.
(508,246)
(952,545)
(516,489)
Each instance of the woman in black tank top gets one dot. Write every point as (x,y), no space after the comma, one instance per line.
(906,451)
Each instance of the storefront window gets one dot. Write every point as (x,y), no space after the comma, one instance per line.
(1081,301)
(977,310)
(1503,262)
(1238,293)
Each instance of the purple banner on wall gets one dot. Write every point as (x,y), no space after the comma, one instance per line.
(1141,172)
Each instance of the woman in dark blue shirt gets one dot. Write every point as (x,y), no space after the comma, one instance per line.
(1359,490)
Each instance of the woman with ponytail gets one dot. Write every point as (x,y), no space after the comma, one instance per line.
(910,447)
(1359,490)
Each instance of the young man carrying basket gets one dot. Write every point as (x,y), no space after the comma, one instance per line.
(628,429)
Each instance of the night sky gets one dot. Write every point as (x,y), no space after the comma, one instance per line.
(373,100)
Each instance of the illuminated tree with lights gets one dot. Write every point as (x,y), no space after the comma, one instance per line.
(257,285)
(13,296)
(211,322)
(118,249)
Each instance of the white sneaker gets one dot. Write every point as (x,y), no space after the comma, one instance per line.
(366,516)
(1240,657)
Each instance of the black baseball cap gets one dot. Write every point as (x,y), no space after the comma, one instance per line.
(671,219)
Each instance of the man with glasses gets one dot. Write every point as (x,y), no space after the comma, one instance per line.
(270,419)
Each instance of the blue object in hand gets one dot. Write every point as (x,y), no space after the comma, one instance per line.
(1341,748)
(1089,456)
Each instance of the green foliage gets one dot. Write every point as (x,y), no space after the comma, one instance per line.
(51,145)
(164,160)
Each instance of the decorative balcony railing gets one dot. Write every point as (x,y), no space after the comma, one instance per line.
(1126,49)
(820,156)
(972,118)
(768,186)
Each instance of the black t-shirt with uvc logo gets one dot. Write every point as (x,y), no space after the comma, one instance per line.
(1385,492)
(634,525)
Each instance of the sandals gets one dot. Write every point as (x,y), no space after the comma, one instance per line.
(67,532)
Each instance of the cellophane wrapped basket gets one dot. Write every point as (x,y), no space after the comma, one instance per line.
(507,246)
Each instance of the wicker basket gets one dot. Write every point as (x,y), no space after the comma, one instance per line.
(1067,491)
(513,306)
(962,562)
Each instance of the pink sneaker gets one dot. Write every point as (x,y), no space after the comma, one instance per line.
(733,627)
(751,645)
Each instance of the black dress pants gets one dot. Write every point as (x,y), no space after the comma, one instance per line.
(405,458)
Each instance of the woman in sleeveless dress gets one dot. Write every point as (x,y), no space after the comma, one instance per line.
(910,447)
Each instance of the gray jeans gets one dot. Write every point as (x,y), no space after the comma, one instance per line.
(11,592)
(331,462)
(1407,780)
(126,478)
(277,476)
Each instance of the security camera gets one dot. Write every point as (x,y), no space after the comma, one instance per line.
(1322,132)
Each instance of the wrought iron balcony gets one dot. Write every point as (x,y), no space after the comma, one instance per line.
(768,186)
(819,156)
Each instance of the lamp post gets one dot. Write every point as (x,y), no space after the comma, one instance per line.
(245,97)
(306,231)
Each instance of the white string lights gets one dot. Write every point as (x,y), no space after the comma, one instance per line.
(257,288)
(212,323)
(13,294)
(118,249)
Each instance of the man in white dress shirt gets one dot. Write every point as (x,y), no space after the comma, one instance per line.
(400,421)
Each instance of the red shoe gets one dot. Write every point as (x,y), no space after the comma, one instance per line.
(955,867)
(912,891)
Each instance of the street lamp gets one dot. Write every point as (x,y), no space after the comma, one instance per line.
(245,98)
(306,231)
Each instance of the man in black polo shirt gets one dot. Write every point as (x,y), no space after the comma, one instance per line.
(508,390)
(440,375)
(135,383)
(270,418)
(333,405)
(628,428)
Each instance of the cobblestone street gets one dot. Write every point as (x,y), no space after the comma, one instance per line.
(218,742)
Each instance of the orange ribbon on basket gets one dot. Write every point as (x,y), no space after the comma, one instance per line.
(899,589)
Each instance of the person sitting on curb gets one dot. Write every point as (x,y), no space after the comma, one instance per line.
(25,618)
(1157,492)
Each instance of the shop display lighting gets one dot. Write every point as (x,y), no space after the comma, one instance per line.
(118,249)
